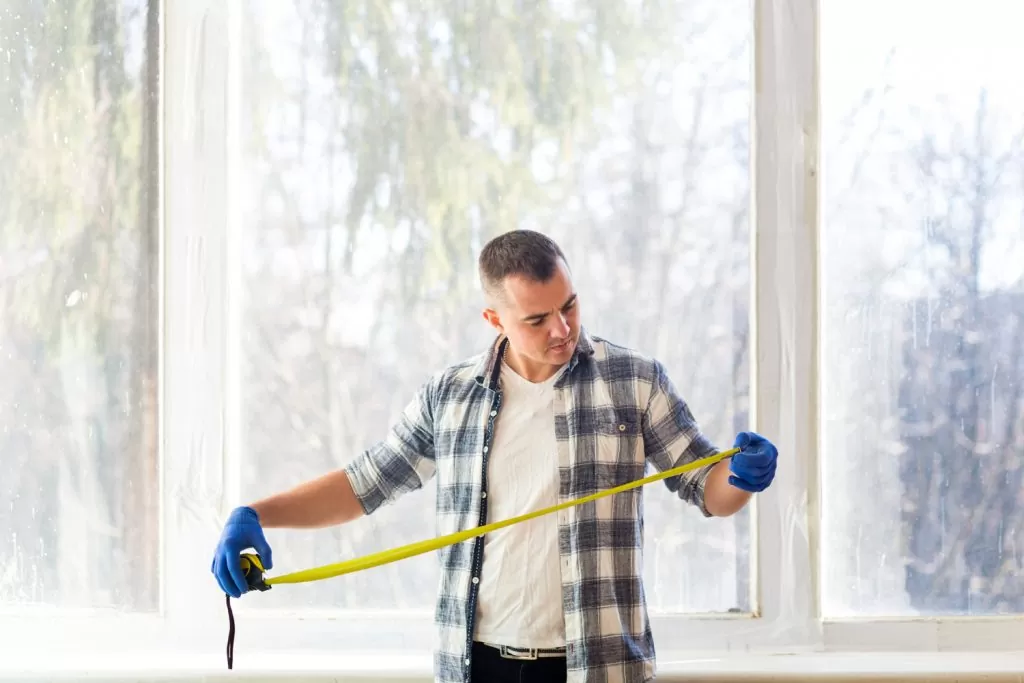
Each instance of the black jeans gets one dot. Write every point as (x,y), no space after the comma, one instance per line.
(490,667)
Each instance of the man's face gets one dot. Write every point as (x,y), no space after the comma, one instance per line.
(541,321)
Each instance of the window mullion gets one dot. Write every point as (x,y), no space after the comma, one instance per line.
(785,311)
(195,234)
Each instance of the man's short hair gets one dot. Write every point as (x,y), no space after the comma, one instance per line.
(526,253)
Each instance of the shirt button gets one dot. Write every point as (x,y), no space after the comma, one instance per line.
(485,449)
(476,579)
(467,661)
(484,494)
(493,413)
(622,428)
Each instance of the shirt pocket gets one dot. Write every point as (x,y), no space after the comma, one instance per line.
(619,447)
(618,460)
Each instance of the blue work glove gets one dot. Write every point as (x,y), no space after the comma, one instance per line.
(753,468)
(241,532)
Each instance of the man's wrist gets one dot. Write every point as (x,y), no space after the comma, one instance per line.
(258,512)
(245,513)
(721,498)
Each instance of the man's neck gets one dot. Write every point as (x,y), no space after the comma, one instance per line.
(529,370)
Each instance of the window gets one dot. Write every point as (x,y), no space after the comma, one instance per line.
(923,263)
(380,150)
(79,246)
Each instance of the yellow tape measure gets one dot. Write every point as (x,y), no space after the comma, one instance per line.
(252,566)
(421,547)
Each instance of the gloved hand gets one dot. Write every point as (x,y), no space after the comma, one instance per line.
(753,468)
(241,532)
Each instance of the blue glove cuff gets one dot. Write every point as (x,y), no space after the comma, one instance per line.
(243,515)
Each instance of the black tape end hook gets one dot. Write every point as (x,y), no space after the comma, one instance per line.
(252,568)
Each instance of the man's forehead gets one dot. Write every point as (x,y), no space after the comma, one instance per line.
(523,292)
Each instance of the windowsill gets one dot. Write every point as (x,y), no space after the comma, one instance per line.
(308,667)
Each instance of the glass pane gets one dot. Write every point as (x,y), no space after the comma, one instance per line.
(78,307)
(923,309)
(385,142)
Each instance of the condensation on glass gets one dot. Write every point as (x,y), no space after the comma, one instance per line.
(923,320)
(79,252)
(381,148)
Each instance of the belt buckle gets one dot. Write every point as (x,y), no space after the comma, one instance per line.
(520,653)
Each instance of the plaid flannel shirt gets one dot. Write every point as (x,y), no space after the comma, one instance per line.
(615,411)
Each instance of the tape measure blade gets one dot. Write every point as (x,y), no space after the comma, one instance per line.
(391,555)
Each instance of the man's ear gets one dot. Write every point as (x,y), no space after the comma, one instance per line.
(491,316)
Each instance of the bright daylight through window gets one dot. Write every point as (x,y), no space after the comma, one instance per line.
(236,237)
(923,311)
(79,246)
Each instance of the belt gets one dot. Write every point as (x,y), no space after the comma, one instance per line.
(527,653)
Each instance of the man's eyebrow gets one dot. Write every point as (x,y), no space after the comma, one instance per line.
(537,317)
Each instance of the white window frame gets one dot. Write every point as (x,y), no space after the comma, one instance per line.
(201,454)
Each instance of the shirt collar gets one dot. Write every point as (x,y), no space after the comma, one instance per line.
(489,366)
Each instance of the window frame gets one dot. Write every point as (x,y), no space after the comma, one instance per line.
(200,446)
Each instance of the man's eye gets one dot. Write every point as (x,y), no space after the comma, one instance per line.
(536,323)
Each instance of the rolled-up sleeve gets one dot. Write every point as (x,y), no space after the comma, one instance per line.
(402,462)
(672,438)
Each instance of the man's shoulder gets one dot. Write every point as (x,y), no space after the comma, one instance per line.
(458,376)
(624,358)
(465,370)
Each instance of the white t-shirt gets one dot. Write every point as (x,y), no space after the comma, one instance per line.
(520,594)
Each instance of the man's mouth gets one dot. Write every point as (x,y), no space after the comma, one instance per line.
(564,346)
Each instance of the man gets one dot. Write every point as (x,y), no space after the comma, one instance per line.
(546,414)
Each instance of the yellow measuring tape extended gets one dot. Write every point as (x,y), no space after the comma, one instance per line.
(252,566)
(421,547)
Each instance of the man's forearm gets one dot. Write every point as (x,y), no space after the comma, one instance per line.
(322,502)
(721,498)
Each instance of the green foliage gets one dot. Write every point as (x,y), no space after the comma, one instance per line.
(448,105)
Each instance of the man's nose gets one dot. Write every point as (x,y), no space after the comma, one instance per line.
(560,329)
